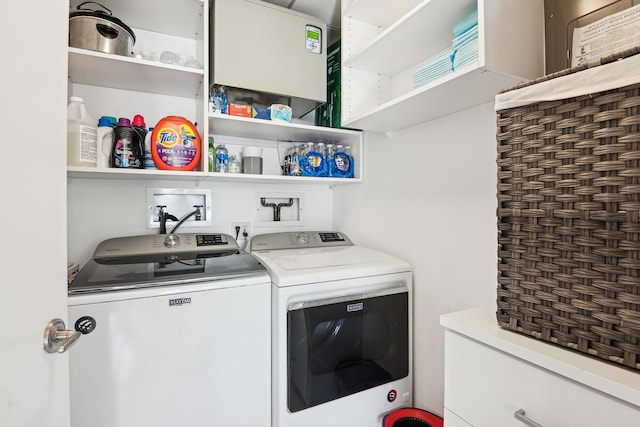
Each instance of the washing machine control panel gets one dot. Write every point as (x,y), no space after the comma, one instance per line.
(297,240)
(164,244)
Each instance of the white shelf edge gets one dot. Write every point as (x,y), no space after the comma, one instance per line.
(146,174)
(103,69)
(276,130)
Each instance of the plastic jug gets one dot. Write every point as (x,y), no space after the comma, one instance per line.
(126,139)
(105,141)
(82,135)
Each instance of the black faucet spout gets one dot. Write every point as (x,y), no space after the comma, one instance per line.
(164,217)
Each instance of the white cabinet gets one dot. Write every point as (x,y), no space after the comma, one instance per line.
(493,375)
(122,86)
(383,42)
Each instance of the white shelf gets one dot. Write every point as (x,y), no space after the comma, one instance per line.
(467,87)
(377,12)
(239,178)
(122,72)
(278,131)
(405,41)
(378,62)
(180,18)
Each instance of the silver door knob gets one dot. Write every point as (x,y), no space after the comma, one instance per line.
(57,338)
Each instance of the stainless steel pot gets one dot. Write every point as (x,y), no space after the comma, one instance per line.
(100,31)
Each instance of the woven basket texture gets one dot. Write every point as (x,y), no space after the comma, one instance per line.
(569,223)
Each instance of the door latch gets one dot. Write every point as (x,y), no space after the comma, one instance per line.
(57,338)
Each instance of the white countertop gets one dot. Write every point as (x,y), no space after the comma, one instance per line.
(480,324)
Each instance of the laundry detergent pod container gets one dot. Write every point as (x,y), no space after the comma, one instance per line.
(175,144)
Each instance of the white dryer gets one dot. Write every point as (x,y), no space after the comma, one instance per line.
(341,330)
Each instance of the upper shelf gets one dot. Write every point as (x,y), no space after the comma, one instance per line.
(380,57)
(455,92)
(122,72)
(180,18)
(223,124)
(406,39)
(377,12)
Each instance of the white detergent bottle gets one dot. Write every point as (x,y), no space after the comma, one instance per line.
(82,135)
(105,141)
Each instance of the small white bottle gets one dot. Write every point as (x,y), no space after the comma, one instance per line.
(82,135)
(105,141)
(148,158)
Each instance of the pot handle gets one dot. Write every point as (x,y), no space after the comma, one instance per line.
(91,10)
(107,31)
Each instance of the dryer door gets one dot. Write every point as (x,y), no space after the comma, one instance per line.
(340,346)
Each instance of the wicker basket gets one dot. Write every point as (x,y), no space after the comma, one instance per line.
(569,219)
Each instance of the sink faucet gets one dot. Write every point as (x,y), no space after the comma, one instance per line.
(163,217)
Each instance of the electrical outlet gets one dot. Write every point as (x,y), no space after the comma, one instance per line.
(245,227)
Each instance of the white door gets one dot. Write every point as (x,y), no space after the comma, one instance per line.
(34,385)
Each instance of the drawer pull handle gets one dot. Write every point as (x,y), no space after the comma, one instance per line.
(520,416)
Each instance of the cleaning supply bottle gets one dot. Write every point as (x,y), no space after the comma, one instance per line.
(331,163)
(211,155)
(140,127)
(105,141)
(313,161)
(125,139)
(222,159)
(219,99)
(148,158)
(82,135)
(347,152)
(343,163)
(234,164)
(175,144)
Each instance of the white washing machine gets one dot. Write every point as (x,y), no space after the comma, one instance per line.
(341,330)
(176,332)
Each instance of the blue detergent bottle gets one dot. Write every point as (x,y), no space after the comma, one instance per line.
(343,163)
(313,161)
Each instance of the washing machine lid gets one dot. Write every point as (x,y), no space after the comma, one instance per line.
(297,266)
(136,262)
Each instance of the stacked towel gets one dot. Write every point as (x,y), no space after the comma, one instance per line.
(465,43)
(465,24)
(433,68)
(466,55)
(463,51)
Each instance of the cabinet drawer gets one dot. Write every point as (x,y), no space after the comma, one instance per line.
(485,387)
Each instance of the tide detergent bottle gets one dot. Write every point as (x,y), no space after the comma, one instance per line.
(175,144)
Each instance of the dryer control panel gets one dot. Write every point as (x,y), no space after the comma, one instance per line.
(299,240)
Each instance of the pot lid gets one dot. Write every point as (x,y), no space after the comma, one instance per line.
(101,14)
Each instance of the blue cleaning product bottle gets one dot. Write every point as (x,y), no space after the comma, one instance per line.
(313,162)
(343,162)
(222,159)
(331,163)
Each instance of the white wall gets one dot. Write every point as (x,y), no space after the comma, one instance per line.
(429,197)
(99,209)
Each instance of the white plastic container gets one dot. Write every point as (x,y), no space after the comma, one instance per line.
(82,135)
(104,142)
(148,158)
